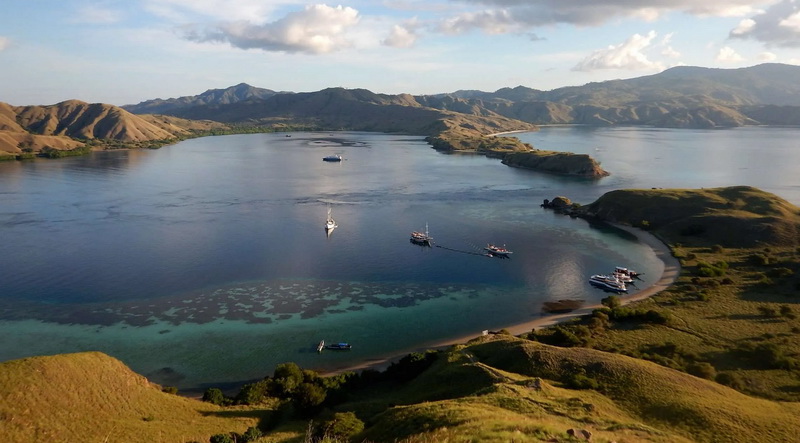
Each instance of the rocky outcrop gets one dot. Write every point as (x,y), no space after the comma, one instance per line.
(557,163)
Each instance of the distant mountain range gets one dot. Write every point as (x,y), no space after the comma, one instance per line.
(681,97)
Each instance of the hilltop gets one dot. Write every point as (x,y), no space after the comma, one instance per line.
(94,397)
(738,216)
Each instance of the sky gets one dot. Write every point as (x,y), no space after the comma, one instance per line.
(128,51)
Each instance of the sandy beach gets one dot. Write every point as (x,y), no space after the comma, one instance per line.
(668,276)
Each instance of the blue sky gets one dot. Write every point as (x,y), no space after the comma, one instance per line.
(127,51)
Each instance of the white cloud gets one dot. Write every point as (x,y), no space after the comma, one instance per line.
(728,55)
(401,37)
(512,15)
(490,22)
(256,11)
(627,55)
(778,25)
(767,57)
(97,15)
(317,29)
(744,27)
(5,42)
(668,50)
(792,22)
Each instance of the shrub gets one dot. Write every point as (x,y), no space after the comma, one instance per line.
(786,311)
(717,249)
(343,426)
(581,381)
(411,366)
(221,438)
(253,393)
(612,301)
(286,378)
(251,434)
(214,395)
(702,370)
(307,397)
(170,390)
(730,379)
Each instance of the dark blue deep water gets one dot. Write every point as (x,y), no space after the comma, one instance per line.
(207,262)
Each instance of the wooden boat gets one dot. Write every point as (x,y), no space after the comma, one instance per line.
(497,250)
(422,238)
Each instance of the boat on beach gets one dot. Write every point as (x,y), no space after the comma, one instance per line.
(608,283)
(332,158)
(630,273)
(497,250)
(421,238)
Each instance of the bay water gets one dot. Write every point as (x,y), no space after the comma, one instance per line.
(207,262)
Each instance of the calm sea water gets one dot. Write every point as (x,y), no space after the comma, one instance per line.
(207,262)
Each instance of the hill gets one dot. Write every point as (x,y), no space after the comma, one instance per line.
(680,97)
(93,397)
(739,216)
(234,94)
(74,124)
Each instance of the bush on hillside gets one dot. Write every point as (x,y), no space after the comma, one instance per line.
(411,366)
(252,434)
(253,393)
(702,369)
(730,379)
(343,426)
(214,396)
(307,397)
(221,438)
(286,378)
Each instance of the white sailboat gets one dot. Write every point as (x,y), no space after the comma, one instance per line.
(330,224)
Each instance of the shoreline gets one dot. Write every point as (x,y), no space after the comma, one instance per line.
(668,276)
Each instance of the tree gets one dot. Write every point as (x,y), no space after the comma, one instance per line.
(612,301)
(287,377)
(252,434)
(214,395)
(308,396)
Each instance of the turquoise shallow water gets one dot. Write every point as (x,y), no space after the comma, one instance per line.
(207,262)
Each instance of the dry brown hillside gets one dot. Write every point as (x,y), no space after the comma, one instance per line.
(67,125)
(78,119)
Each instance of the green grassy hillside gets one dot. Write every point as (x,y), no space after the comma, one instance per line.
(738,216)
(92,397)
